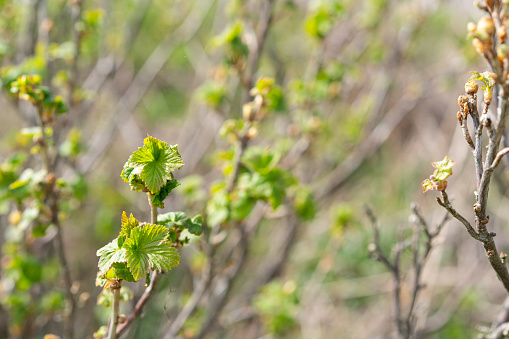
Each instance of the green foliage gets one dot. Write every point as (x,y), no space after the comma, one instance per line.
(278,305)
(231,39)
(176,222)
(29,88)
(321,20)
(264,180)
(137,249)
(218,205)
(150,167)
(442,172)
(304,204)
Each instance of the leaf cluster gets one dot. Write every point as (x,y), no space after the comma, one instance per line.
(177,222)
(437,180)
(260,179)
(149,169)
(29,88)
(137,249)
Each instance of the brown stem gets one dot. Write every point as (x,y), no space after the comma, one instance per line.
(155,276)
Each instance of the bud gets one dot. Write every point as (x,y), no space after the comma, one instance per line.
(487,97)
(471,27)
(15,217)
(252,132)
(502,52)
(247,111)
(51,178)
(485,27)
(502,32)
(462,99)
(479,46)
(122,318)
(471,87)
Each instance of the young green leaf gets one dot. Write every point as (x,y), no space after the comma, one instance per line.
(157,199)
(128,223)
(153,164)
(122,271)
(147,249)
(109,254)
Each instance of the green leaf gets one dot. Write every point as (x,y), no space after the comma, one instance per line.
(304,204)
(443,169)
(109,254)
(218,206)
(122,271)
(242,204)
(427,185)
(194,225)
(270,186)
(181,220)
(172,219)
(147,249)
(128,223)
(261,160)
(158,199)
(446,163)
(153,164)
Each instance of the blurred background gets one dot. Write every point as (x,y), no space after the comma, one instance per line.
(368,100)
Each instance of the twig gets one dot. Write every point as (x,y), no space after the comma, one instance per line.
(405,321)
(114,314)
(155,276)
(447,205)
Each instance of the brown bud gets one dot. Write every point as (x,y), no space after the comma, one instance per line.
(485,220)
(471,88)
(462,99)
(502,32)
(122,318)
(51,178)
(490,253)
(477,208)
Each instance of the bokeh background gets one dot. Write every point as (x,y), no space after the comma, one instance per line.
(370,99)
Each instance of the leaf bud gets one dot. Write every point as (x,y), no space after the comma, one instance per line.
(15,217)
(471,27)
(252,132)
(122,318)
(479,46)
(502,52)
(462,99)
(51,178)
(503,256)
(480,5)
(477,208)
(471,88)
(441,186)
(502,32)
(487,97)
(485,27)
(247,111)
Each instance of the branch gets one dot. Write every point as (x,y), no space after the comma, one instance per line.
(447,205)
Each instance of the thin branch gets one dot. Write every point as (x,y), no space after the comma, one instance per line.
(499,156)
(447,205)
(114,313)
